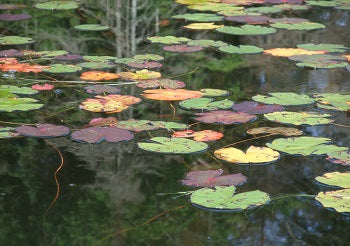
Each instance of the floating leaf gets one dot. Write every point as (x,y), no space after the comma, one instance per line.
(11,6)
(223,198)
(224,117)
(284,98)
(251,107)
(265,10)
(14,104)
(335,179)
(15,40)
(43,131)
(201,136)
(98,134)
(323,3)
(285,131)
(286,52)
(173,146)
(109,121)
(5,89)
(334,101)
(292,7)
(92,27)
(7,132)
(162,83)
(341,157)
(211,178)
(145,64)
(242,49)
(215,7)
(109,104)
(247,30)
(208,92)
(205,104)
(98,75)
(45,87)
(99,58)
(14,17)
(171,94)
(100,89)
(140,75)
(325,47)
(206,43)
(304,146)
(61,68)
(338,200)
(152,57)
(126,60)
(253,155)
(168,40)
(11,53)
(202,26)
(96,65)
(23,67)
(199,17)
(68,57)
(57,5)
(289,20)
(50,53)
(249,19)
(299,26)
(299,118)
(147,125)
(182,48)
(319,61)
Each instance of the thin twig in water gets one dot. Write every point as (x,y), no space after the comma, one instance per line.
(249,139)
(179,75)
(215,159)
(173,108)
(340,125)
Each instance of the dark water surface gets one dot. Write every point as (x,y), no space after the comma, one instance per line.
(106,188)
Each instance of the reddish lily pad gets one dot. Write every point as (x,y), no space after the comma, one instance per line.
(211,178)
(249,19)
(145,64)
(45,87)
(201,136)
(109,121)
(171,94)
(98,134)
(251,107)
(224,117)
(14,17)
(99,89)
(98,75)
(162,83)
(43,131)
(11,53)
(182,48)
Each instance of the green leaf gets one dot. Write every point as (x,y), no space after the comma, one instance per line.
(338,200)
(147,125)
(334,101)
(335,179)
(173,146)
(52,53)
(61,68)
(95,65)
(12,104)
(246,30)
(15,40)
(299,118)
(323,3)
(57,5)
(168,40)
(7,132)
(304,146)
(284,99)
(208,92)
(152,57)
(223,198)
(205,104)
(99,58)
(265,10)
(341,157)
(207,43)
(199,17)
(215,7)
(16,90)
(298,26)
(242,49)
(92,27)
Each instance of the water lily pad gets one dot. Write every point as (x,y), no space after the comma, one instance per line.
(292,7)
(140,75)
(299,26)
(242,49)
(15,40)
(341,157)
(287,20)
(43,131)
(304,146)
(16,104)
(335,179)
(247,30)
(224,198)
(224,117)
(206,43)
(110,104)
(182,48)
(152,57)
(211,178)
(168,40)
(171,94)
(22,67)
(200,136)
(98,75)
(323,3)
(208,92)
(215,7)
(92,27)
(61,68)
(109,121)
(284,98)
(251,107)
(11,53)
(333,101)
(44,87)
(145,64)
(299,118)
(338,200)
(98,134)
(11,6)
(162,83)
(99,58)
(202,26)
(173,146)
(147,125)
(320,61)
(205,104)
(249,19)
(96,65)
(5,89)
(265,10)
(51,53)
(7,132)
(14,17)
(199,17)
(326,47)
(100,89)
(69,57)
(285,131)
(57,5)
(287,52)
(253,155)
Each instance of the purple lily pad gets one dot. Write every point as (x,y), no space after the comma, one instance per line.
(211,178)
(98,134)
(251,107)
(289,20)
(182,48)
(224,117)
(11,53)
(163,83)
(69,57)
(99,89)
(43,131)
(145,64)
(14,17)
(249,19)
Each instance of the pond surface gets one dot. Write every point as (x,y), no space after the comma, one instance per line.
(118,194)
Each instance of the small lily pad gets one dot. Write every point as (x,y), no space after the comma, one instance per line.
(171,94)
(249,19)
(17,104)
(206,43)
(224,117)
(147,125)
(168,40)
(92,27)
(200,136)
(285,131)
(7,132)
(162,83)
(146,64)
(202,26)
(333,101)
(140,75)
(100,89)
(205,104)
(43,131)
(247,30)
(335,179)
(182,48)
(98,134)
(251,107)
(57,5)
(151,57)
(15,40)
(61,68)
(16,90)
(99,58)
(96,65)
(338,200)
(341,157)
(208,92)
(338,48)
(199,17)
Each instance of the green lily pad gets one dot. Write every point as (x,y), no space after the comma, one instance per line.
(199,17)
(208,92)
(335,179)
(61,68)
(224,198)
(215,7)
(242,49)
(299,26)
(205,104)
(173,146)
(16,90)
(284,99)
(57,5)
(168,40)
(333,101)
(92,27)
(299,118)
(96,65)
(292,7)
(152,57)
(206,43)
(323,3)
(126,61)
(341,157)
(99,58)
(246,30)
(147,125)
(51,53)
(15,40)
(320,61)
(265,10)
(7,132)
(338,200)
(326,47)
(12,104)
(304,146)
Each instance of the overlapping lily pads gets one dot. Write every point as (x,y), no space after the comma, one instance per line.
(100,89)
(200,136)
(224,117)
(98,134)
(206,104)
(284,99)
(340,157)
(299,118)
(7,132)
(140,75)
(43,131)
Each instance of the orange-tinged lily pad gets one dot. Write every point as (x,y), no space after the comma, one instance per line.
(202,26)
(286,52)
(139,75)
(201,136)
(22,67)
(171,94)
(98,75)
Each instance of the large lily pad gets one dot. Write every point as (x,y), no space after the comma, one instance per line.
(205,104)
(92,27)
(211,178)
(147,125)
(98,134)
(15,40)
(285,131)
(284,99)
(224,198)
(12,104)
(247,30)
(333,101)
(224,117)
(171,94)
(57,5)
(199,17)
(251,107)
(341,157)
(43,131)
(305,146)
(173,146)
(254,155)
(200,136)
(329,48)
(61,68)
(242,49)
(299,26)
(335,179)
(168,40)
(338,200)
(299,118)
